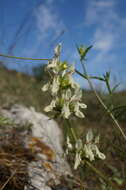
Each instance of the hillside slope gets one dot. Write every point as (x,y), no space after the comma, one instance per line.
(20,88)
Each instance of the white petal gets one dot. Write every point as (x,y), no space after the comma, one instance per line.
(102,156)
(55,85)
(63,73)
(66,111)
(88,152)
(72,68)
(77,160)
(45,87)
(73,84)
(52,63)
(79,114)
(89,136)
(68,94)
(77,95)
(99,154)
(69,145)
(84,106)
(79,144)
(97,139)
(50,107)
(57,50)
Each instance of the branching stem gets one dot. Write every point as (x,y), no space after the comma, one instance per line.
(100,100)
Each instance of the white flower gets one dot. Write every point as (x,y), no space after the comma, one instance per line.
(66,110)
(73,84)
(77,95)
(57,50)
(63,86)
(90,148)
(78,113)
(89,136)
(88,152)
(77,160)
(72,68)
(52,63)
(98,153)
(78,144)
(82,105)
(76,104)
(97,139)
(67,95)
(78,147)
(69,145)
(45,87)
(55,85)
(51,106)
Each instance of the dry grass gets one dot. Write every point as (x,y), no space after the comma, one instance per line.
(14,160)
(20,88)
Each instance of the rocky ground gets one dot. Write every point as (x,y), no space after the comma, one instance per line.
(45,139)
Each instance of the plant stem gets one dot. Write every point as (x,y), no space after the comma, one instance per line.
(24,58)
(71,130)
(101,101)
(101,175)
(3,186)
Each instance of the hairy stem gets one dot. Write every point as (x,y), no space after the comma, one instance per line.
(101,101)
(24,58)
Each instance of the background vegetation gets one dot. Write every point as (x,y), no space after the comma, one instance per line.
(18,88)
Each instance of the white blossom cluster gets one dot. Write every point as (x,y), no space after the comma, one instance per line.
(88,150)
(66,93)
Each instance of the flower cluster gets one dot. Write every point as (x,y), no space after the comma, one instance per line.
(88,150)
(65,91)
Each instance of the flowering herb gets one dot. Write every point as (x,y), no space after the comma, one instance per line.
(66,93)
(88,150)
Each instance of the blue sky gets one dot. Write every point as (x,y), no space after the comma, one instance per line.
(32,28)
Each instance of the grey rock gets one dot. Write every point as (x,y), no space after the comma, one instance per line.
(49,132)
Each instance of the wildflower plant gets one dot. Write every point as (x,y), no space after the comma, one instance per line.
(66,102)
(66,93)
(86,149)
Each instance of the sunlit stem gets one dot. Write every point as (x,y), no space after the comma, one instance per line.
(101,101)
(71,131)
(24,58)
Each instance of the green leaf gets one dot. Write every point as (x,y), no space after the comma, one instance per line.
(115,87)
(119,181)
(83,51)
(4,121)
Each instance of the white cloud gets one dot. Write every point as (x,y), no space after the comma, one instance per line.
(104,4)
(109,31)
(103,40)
(48,22)
(99,11)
